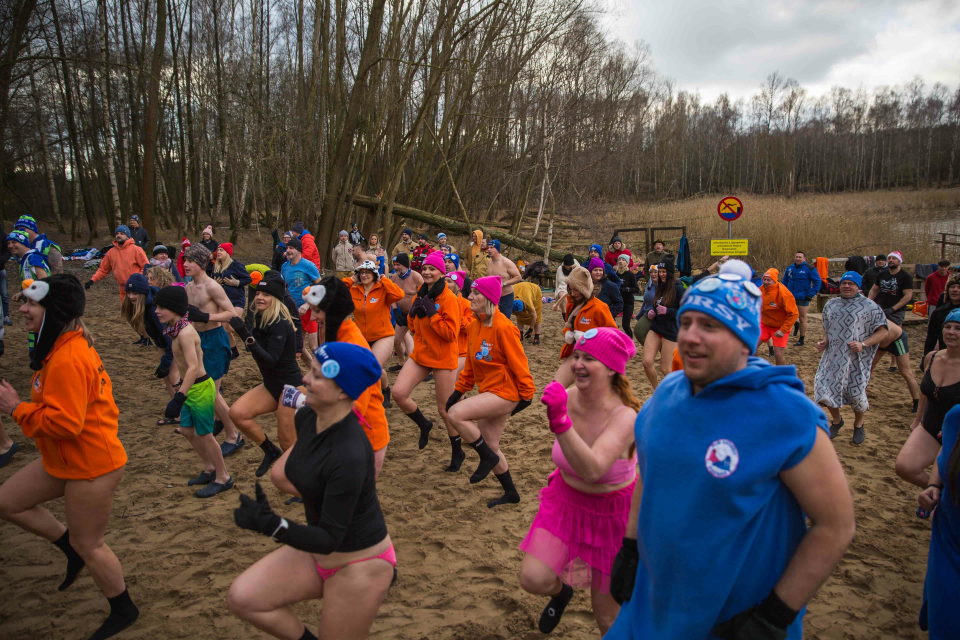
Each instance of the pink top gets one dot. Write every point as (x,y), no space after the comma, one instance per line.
(622,470)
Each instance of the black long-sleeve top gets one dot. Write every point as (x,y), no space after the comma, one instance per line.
(935,326)
(274,349)
(628,288)
(610,294)
(665,325)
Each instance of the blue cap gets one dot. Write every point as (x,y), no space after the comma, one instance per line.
(353,368)
(124,229)
(137,283)
(518,306)
(853,277)
(730,299)
(21,237)
(597,248)
(953,316)
(495,244)
(26,222)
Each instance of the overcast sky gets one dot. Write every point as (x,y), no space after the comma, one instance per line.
(717,46)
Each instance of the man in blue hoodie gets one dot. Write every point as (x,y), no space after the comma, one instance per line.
(720,547)
(803,281)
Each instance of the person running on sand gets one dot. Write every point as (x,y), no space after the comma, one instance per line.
(606,290)
(853,327)
(410,282)
(779,314)
(755,565)
(580,524)
(124,260)
(528,308)
(140,312)
(941,587)
(508,272)
(893,291)
(804,282)
(272,341)
(940,392)
(209,307)
(628,290)
(193,403)
(459,285)
(896,344)
(662,336)
(331,303)
(43,245)
(73,418)
(372,298)
(343,554)
(233,277)
(584,311)
(299,273)
(434,320)
(497,365)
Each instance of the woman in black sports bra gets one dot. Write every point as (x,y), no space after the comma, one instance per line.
(344,553)
(939,392)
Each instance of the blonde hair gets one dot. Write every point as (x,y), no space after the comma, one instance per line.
(621,384)
(626,263)
(489,309)
(161,276)
(274,312)
(133,312)
(226,262)
(78,324)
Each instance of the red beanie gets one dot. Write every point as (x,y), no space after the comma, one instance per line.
(228,247)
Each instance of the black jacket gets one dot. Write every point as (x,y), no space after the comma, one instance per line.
(935,326)
(628,288)
(279,257)
(140,236)
(610,294)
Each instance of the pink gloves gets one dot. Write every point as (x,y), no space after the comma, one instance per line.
(661,310)
(555,398)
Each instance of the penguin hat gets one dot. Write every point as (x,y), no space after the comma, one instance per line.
(63,298)
(332,297)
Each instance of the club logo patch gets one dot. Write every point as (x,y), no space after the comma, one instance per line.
(736,300)
(722,459)
(484,353)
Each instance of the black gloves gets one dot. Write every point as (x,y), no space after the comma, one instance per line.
(418,308)
(256,515)
(766,621)
(523,404)
(174,406)
(162,371)
(195,315)
(88,284)
(624,572)
(240,327)
(429,307)
(454,399)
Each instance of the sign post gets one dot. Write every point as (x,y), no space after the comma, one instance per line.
(729,208)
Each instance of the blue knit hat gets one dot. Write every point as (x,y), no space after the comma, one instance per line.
(441,235)
(26,222)
(124,229)
(518,306)
(137,283)
(853,277)
(455,259)
(353,368)
(732,300)
(21,237)
(495,244)
(953,316)
(597,248)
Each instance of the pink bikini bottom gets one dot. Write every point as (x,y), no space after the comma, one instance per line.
(389,555)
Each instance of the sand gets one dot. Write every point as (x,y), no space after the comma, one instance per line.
(458,560)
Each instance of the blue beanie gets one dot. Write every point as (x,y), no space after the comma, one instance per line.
(455,259)
(853,277)
(597,248)
(124,229)
(26,222)
(730,299)
(518,306)
(21,237)
(953,316)
(353,368)
(441,235)
(137,283)
(495,244)
(408,231)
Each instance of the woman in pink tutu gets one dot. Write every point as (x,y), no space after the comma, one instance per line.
(583,512)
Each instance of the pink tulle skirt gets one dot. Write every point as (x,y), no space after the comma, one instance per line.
(579,534)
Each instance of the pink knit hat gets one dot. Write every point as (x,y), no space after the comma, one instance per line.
(435,260)
(610,346)
(595,263)
(490,287)
(458,277)
(207,229)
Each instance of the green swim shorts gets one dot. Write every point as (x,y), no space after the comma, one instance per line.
(197,412)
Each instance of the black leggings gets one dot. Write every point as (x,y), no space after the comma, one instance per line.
(628,315)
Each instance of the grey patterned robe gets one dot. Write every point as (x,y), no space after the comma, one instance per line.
(843,375)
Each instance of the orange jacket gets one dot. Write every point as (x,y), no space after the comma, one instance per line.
(594,314)
(677,361)
(496,361)
(779,305)
(123,261)
(466,319)
(71,414)
(310,250)
(371,311)
(370,403)
(435,338)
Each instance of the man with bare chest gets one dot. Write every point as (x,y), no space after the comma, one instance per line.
(209,307)
(509,275)
(410,281)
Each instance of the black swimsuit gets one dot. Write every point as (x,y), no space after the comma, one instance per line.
(939,401)
(274,350)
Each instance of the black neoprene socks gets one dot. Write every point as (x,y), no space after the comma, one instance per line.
(74,561)
(510,493)
(271,453)
(123,613)
(457,456)
(425,427)
(551,615)
(488,460)
(307,635)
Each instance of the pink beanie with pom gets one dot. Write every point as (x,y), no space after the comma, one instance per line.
(490,287)
(610,346)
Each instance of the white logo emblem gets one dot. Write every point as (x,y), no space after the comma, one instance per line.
(722,458)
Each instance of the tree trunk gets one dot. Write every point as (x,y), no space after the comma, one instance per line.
(45,149)
(114,213)
(150,128)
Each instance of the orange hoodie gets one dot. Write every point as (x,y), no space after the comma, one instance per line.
(594,314)
(779,305)
(123,261)
(496,361)
(71,414)
(370,403)
(435,337)
(371,311)
(466,319)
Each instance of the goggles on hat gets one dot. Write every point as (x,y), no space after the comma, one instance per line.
(366,264)
(727,281)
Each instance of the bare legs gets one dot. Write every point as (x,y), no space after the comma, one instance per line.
(383,349)
(222,412)
(209,452)
(483,415)
(253,403)
(918,453)
(537,578)
(651,345)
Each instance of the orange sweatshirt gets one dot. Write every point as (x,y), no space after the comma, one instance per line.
(371,311)
(71,414)
(496,361)
(370,402)
(435,337)
(122,261)
(466,319)
(594,314)
(779,305)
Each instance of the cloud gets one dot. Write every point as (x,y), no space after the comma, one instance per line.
(731,46)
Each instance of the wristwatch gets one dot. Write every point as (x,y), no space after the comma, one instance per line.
(282,529)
